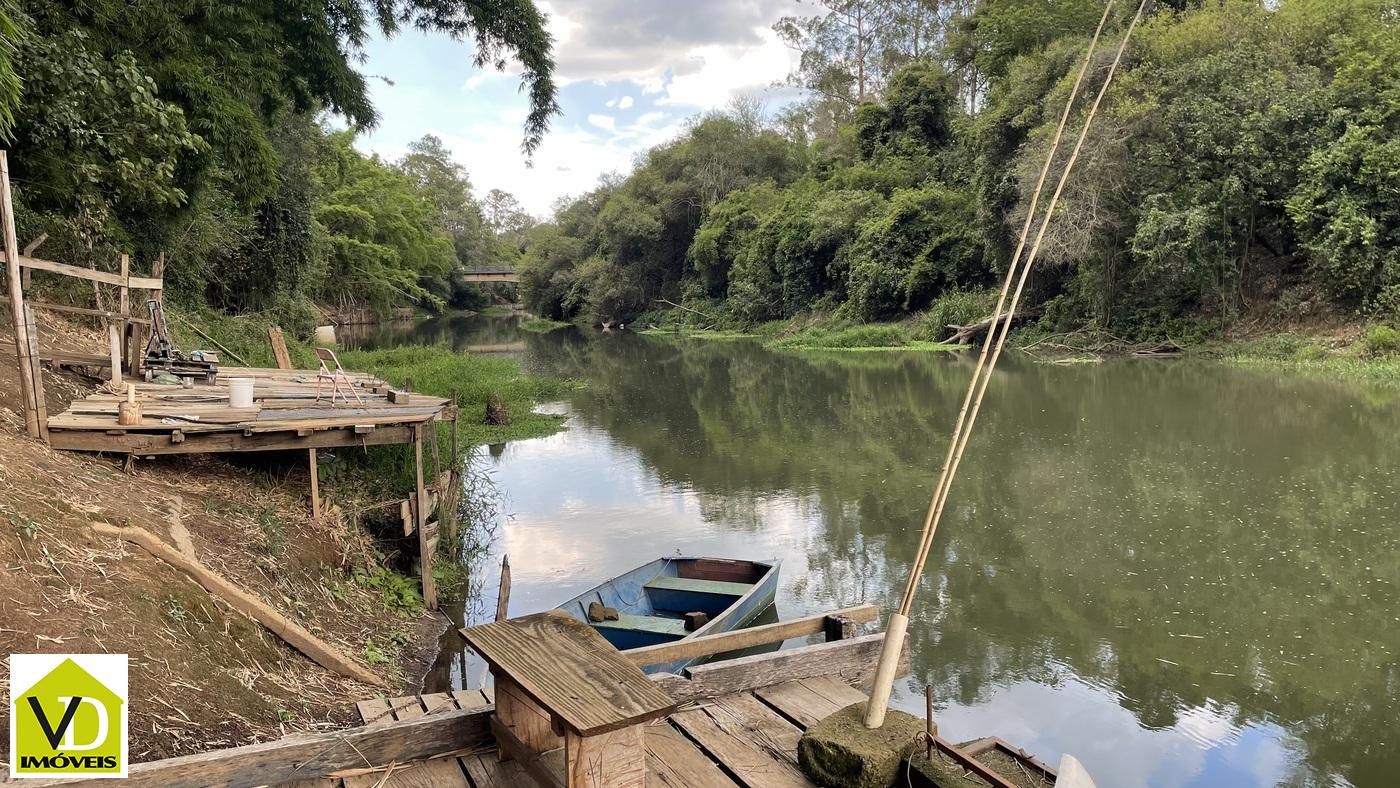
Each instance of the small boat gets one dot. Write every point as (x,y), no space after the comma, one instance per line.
(653,600)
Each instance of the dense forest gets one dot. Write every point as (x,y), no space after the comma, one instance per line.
(220,134)
(1243,167)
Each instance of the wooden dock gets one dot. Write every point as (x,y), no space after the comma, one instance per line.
(733,723)
(286,414)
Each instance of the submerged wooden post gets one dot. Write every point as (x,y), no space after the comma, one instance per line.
(425,553)
(31,389)
(503,593)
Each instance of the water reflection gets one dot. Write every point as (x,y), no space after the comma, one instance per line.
(1183,573)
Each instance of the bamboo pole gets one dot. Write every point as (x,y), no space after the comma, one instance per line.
(977,387)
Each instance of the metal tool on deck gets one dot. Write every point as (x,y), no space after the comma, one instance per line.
(162,355)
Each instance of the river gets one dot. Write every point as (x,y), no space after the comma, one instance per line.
(1184,573)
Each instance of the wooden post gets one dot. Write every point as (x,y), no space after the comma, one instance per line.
(29,252)
(425,555)
(114,342)
(315,485)
(124,302)
(503,595)
(31,390)
(41,412)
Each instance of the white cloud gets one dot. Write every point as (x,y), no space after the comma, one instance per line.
(602,121)
(623,103)
(610,103)
(475,81)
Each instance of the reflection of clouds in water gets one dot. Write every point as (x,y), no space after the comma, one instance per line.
(584,510)
(1204,748)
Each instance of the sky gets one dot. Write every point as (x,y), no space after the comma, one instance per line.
(630,73)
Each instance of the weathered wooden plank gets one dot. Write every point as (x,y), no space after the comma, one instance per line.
(437,773)
(673,762)
(437,701)
(222,441)
(75,271)
(146,283)
(407,707)
(374,710)
(279,347)
(706,645)
(808,701)
(487,771)
(727,739)
(616,759)
(82,310)
(853,661)
(471,699)
(308,756)
(547,768)
(569,669)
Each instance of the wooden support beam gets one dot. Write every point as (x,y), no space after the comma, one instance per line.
(308,756)
(82,310)
(425,556)
(41,409)
(29,252)
(31,389)
(224,441)
(706,645)
(77,272)
(315,484)
(124,305)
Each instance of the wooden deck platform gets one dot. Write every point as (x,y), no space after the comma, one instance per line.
(285,415)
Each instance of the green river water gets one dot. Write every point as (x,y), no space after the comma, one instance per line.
(1184,573)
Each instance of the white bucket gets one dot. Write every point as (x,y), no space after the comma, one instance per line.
(240,392)
(325,335)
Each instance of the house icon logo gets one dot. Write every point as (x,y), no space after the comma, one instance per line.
(68,715)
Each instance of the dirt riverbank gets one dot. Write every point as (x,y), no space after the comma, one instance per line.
(202,676)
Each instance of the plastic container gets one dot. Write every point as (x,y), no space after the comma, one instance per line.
(240,392)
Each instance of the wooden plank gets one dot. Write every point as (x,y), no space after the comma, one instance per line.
(732,570)
(719,587)
(487,771)
(30,386)
(728,739)
(547,771)
(673,762)
(41,409)
(616,759)
(436,773)
(279,347)
(82,310)
(853,661)
(503,590)
(77,272)
(145,283)
(315,484)
(292,633)
(221,441)
(374,710)
(114,342)
(808,701)
(471,699)
(425,553)
(569,669)
(436,701)
(407,707)
(308,755)
(706,645)
(527,721)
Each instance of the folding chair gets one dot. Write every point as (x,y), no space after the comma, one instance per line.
(337,377)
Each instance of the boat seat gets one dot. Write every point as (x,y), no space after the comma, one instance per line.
(656,625)
(699,586)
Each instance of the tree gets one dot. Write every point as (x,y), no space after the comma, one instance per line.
(444,182)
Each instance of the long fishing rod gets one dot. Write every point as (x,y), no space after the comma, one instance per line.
(977,387)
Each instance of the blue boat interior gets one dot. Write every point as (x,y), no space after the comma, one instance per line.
(653,599)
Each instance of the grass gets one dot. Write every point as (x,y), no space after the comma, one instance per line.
(543,325)
(867,337)
(695,334)
(496,311)
(1373,359)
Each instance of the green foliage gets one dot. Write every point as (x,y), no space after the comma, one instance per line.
(398,593)
(956,308)
(1380,342)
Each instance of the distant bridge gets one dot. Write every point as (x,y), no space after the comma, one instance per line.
(490,274)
